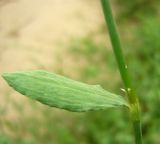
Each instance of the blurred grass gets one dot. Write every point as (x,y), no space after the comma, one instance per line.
(142,49)
(137,8)
(144,62)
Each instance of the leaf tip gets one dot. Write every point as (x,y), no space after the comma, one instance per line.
(6,76)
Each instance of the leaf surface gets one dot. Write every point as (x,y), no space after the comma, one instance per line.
(61,92)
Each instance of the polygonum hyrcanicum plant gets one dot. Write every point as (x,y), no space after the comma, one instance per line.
(64,93)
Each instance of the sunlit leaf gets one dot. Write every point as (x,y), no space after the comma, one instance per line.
(61,92)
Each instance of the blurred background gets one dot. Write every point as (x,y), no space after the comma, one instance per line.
(68,37)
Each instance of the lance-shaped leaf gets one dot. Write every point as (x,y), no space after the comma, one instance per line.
(61,92)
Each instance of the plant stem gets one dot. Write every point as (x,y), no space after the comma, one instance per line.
(116,44)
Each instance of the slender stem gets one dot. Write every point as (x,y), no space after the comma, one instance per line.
(137,132)
(116,44)
(117,47)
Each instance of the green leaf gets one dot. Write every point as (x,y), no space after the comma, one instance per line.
(61,92)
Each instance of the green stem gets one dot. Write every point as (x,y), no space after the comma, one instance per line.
(116,44)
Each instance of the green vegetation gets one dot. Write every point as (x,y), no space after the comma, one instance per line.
(123,68)
(142,48)
(137,8)
(61,92)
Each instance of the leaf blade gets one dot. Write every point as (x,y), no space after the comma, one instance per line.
(61,92)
